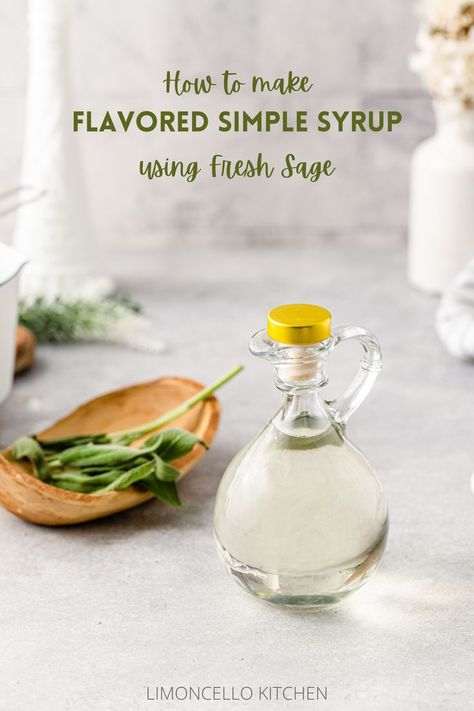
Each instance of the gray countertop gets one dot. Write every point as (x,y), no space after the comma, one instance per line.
(91,615)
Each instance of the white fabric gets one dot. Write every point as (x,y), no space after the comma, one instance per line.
(455,318)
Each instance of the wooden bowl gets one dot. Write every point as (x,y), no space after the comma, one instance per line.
(33,500)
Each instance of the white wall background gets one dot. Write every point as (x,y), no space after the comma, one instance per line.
(355,52)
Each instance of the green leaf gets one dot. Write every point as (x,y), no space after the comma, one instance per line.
(126,439)
(78,488)
(99,470)
(165,491)
(28,448)
(91,455)
(79,477)
(164,471)
(72,441)
(130,477)
(173,443)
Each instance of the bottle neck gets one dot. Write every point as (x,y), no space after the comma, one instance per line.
(300,375)
(304,412)
(301,369)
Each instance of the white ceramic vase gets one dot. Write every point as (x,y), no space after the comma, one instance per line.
(55,231)
(441,225)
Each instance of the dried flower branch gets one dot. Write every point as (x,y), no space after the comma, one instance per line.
(445,51)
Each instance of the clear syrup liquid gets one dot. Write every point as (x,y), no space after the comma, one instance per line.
(300,520)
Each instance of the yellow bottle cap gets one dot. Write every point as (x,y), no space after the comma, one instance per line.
(299,324)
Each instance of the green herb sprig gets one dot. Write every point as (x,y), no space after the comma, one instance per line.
(100,463)
(68,321)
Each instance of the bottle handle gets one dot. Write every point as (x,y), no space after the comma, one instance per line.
(342,407)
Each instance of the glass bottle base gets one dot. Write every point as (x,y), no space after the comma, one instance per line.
(312,590)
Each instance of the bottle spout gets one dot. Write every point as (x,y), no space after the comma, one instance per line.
(295,366)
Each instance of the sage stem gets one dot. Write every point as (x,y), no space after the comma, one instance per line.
(179,410)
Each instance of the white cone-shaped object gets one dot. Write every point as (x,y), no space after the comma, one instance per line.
(455,318)
(54,231)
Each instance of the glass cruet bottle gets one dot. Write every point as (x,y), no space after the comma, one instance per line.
(300,516)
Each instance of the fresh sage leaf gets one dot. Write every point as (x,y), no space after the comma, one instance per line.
(126,439)
(99,454)
(126,479)
(78,488)
(28,448)
(164,471)
(73,441)
(173,443)
(165,491)
(78,477)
